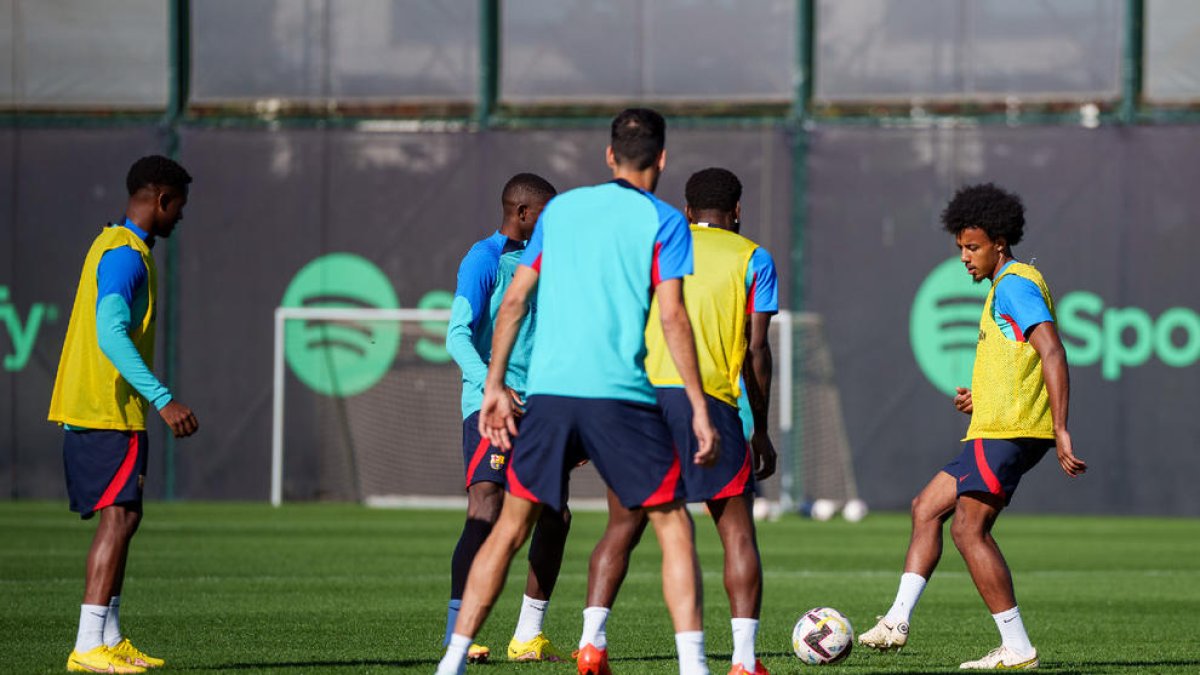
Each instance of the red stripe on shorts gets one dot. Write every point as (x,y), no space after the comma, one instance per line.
(122,477)
(480,451)
(666,489)
(985,471)
(737,486)
(514,485)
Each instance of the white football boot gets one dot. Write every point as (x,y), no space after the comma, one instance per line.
(1003,658)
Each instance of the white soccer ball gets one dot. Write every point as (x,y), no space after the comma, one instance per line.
(762,509)
(823,509)
(822,636)
(854,510)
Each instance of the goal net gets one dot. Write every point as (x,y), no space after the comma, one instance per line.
(367,408)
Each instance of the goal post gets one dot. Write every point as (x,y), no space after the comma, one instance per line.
(334,314)
(372,403)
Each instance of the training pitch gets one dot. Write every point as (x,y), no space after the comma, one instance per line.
(322,588)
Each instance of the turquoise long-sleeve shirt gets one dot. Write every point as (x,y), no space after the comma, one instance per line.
(483,276)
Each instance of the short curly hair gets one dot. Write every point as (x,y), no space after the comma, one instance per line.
(996,211)
(713,188)
(527,186)
(156,170)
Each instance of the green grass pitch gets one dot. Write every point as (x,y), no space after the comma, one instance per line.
(320,588)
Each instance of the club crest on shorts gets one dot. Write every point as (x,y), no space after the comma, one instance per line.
(496,461)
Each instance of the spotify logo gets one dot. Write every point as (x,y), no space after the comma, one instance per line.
(944,325)
(944,329)
(341,358)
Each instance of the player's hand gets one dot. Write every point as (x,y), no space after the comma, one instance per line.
(180,418)
(708,440)
(497,417)
(518,402)
(1066,454)
(962,400)
(763,452)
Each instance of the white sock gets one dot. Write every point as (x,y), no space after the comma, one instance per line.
(594,619)
(112,624)
(911,586)
(451,618)
(744,631)
(91,627)
(1012,631)
(690,645)
(533,612)
(455,660)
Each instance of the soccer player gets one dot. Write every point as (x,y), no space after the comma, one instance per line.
(599,253)
(734,284)
(483,276)
(1018,407)
(101,394)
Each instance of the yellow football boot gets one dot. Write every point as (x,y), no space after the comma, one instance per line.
(478,654)
(537,649)
(100,660)
(137,657)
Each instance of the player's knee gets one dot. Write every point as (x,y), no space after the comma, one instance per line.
(925,513)
(966,532)
(555,521)
(511,535)
(121,518)
(132,520)
(484,501)
(742,543)
(921,513)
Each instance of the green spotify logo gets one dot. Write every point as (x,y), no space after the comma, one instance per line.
(341,358)
(944,329)
(943,326)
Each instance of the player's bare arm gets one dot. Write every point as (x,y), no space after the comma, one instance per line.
(962,400)
(756,372)
(1044,338)
(498,414)
(677,331)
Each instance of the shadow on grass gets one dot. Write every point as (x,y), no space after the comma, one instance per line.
(347,663)
(1076,668)
(1073,668)
(1089,666)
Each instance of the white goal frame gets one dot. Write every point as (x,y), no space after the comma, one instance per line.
(783,372)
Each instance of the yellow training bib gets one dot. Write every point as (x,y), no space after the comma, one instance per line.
(88,390)
(715,296)
(1007,388)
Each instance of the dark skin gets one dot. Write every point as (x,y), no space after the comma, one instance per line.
(975,512)
(733,516)
(156,209)
(485,499)
(497,422)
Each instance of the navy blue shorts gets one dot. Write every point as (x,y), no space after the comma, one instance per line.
(627,442)
(995,465)
(103,468)
(483,461)
(731,475)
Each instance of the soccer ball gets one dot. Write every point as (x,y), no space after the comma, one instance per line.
(854,510)
(764,509)
(823,509)
(822,636)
